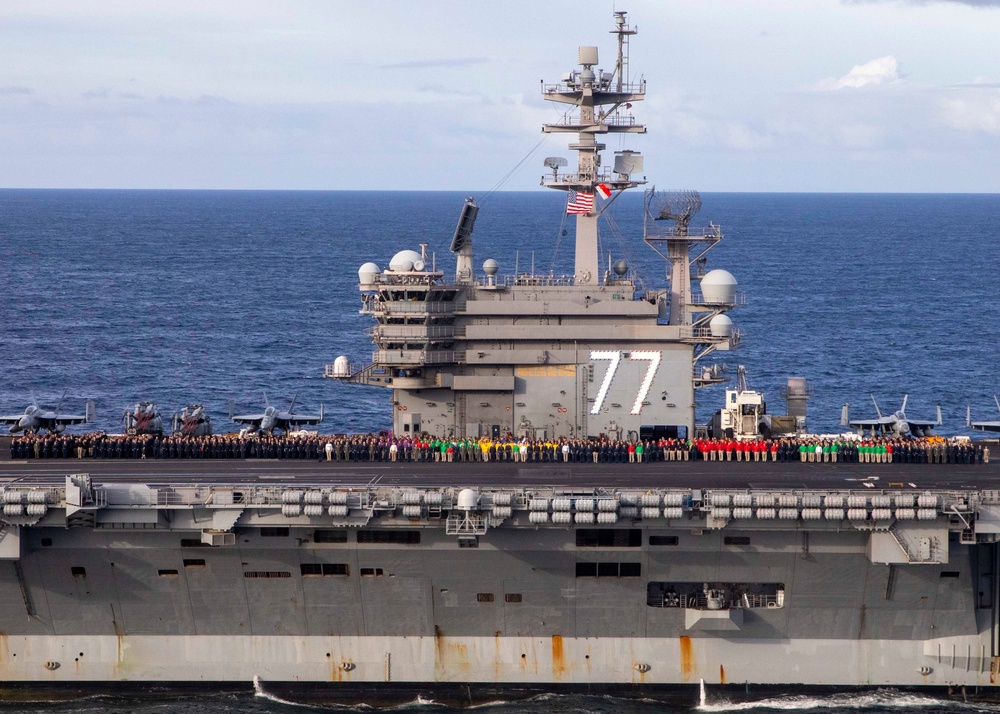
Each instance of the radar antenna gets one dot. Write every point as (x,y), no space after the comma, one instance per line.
(554,163)
(677,206)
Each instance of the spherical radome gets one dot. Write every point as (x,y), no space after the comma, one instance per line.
(404,260)
(620,268)
(490,266)
(468,500)
(719,286)
(367,273)
(721,326)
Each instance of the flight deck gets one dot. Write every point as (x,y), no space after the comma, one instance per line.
(679,474)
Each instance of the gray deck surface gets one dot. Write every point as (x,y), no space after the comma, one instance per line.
(698,474)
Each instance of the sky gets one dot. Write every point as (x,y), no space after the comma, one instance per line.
(747,95)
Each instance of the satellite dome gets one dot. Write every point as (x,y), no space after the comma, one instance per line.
(719,287)
(721,326)
(467,500)
(404,261)
(368,273)
(419,266)
(342,367)
(620,268)
(490,266)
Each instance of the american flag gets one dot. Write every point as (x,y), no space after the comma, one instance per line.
(580,202)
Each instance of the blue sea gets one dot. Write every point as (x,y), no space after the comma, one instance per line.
(878,701)
(217,296)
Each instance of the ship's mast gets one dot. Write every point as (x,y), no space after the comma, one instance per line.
(602,100)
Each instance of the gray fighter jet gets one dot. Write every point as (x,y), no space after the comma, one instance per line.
(982,425)
(142,419)
(896,424)
(35,418)
(192,421)
(273,418)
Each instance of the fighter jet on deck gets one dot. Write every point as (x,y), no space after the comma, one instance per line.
(982,425)
(273,418)
(35,418)
(142,419)
(192,421)
(897,424)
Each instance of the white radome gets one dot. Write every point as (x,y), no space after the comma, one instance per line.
(342,367)
(721,326)
(468,500)
(719,287)
(404,261)
(368,273)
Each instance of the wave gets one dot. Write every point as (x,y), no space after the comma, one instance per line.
(878,699)
(259,691)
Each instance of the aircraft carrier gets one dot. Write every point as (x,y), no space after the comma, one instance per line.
(469,582)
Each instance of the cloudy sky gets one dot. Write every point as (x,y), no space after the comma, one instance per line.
(747,95)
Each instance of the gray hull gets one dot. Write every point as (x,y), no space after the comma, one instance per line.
(490,598)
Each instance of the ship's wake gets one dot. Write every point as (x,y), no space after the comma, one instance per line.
(879,699)
(259,691)
(418,703)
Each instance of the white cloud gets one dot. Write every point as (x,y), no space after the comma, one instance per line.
(974,111)
(878,71)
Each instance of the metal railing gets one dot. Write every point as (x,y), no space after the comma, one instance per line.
(740,298)
(414,307)
(410,357)
(599,84)
(611,120)
(388,332)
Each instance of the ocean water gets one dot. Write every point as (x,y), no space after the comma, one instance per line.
(879,701)
(182,297)
(217,296)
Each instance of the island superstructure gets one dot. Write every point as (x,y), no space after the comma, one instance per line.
(547,356)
